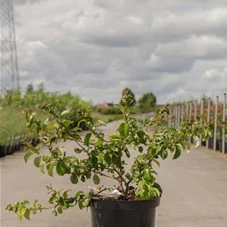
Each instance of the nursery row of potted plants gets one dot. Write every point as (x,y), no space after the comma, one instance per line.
(36,97)
(10,136)
(219,145)
(15,144)
(212,112)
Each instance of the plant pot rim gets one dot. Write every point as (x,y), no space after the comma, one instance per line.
(124,201)
(125,204)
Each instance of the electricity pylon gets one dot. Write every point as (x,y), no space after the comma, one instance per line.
(8,56)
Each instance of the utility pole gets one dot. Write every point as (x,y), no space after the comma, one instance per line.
(8,57)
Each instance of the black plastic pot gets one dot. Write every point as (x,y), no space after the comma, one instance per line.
(2,151)
(17,146)
(220,145)
(35,141)
(120,213)
(203,143)
(8,150)
(13,149)
(211,144)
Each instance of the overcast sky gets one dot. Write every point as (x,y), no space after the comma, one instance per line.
(95,48)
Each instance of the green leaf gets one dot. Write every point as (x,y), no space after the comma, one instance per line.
(61,168)
(123,129)
(127,152)
(37,161)
(148,176)
(65,194)
(77,150)
(197,142)
(99,123)
(27,214)
(86,202)
(67,123)
(35,202)
(96,179)
(54,212)
(128,176)
(65,112)
(60,210)
(88,173)
(156,185)
(79,193)
(163,154)
(56,125)
(87,139)
(21,211)
(47,121)
(41,168)
(116,160)
(140,149)
(46,159)
(177,152)
(27,156)
(141,135)
(157,162)
(107,158)
(50,169)
(155,192)
(74,179)
(82,178)
(9,207)
(28,125)
(80,204)
(186,146)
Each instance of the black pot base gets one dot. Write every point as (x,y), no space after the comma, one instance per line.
(117,213)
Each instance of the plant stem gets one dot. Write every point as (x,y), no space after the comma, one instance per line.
(105,175)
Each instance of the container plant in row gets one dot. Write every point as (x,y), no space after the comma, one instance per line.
(134,200)
(9,145)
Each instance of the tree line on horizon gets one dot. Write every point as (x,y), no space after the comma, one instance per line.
(146,103)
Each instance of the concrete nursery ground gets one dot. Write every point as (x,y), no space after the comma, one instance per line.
(195,191)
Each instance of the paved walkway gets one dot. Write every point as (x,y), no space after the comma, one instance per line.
(195,191)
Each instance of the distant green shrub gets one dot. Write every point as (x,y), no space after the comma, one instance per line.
(108,110)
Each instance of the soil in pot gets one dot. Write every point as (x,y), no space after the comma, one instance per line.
(121,213)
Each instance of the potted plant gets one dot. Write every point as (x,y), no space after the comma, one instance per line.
(3,145)
(3,141)
(134,200)
(221,129)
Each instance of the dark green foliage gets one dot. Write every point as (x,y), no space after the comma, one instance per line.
(147,102)
(108,110)
(29,88)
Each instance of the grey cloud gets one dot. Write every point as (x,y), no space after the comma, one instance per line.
(97,49)
(111,41)
(173,64)
(180,25)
